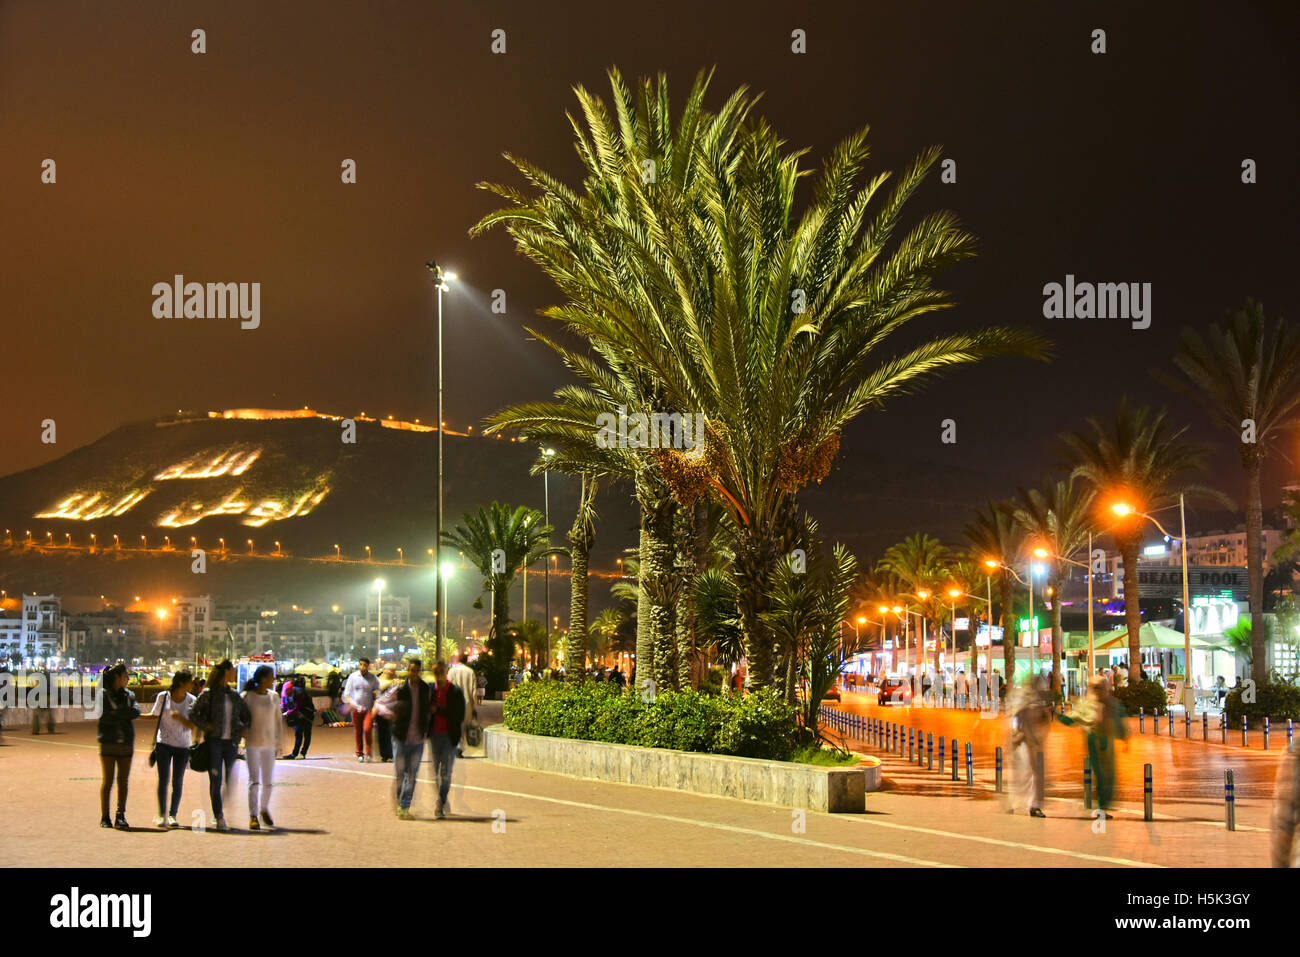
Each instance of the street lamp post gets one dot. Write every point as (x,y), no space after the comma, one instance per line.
(440,280)
(546,502)
(379,614)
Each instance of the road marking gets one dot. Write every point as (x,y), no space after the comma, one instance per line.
(731,828)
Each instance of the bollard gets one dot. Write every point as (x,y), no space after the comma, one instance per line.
(929,751)
(955,760)
(1155,720)
(997,761)
(1171,724)
(941,754)
(1187,725)
(1289,736)
(1229,801)
(1265,733)
(910,737)
(1205,726)
(1243,731)
(1087,783)
(970,767)
(1142,720)
(1223,728)
(1147,814)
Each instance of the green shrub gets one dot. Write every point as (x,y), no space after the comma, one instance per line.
(758,726)
(1275,700)
(1147,695)
(715,681)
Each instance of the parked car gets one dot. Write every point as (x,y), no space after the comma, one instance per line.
(894,691)
(833,692)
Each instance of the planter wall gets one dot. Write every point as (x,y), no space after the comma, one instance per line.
(835,790)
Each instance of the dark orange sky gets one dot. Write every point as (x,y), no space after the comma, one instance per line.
(225,167)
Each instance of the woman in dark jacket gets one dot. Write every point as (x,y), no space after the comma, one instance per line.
(223,716)
(116,743)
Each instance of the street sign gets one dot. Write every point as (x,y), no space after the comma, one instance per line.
(1029,624)
(1161,580)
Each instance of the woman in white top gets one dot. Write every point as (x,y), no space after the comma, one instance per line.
(261,743)
(172,743)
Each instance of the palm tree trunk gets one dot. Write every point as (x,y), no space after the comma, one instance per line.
(1008,629)
(1128,548)
(580,542)
(1255,573)
(655,636)
(758,550)
(1057,635)
(501,648)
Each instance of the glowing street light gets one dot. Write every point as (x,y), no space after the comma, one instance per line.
(277,548)
(379,613)
(367,553)
(338,554)
(401,558)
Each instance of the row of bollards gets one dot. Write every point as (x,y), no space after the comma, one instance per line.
(1223,728)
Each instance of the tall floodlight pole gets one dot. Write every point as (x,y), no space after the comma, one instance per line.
(440,280)
(546,504)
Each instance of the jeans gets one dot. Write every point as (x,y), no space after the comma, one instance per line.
(172,761)
(359,726)
(301,737)
(261,769)
(406,765)
(110,765)
(221,761)
(444,756)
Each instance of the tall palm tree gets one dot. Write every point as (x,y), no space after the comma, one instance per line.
(1246,373)
(582,536)
(1057,518)
(499,541)
(994,537)
(920,562)
(970,577)
(602,631)
(1139,457)
(683,259)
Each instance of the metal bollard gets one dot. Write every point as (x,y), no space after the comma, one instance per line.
(997,762)
(1147,814)
(1142,720)
(1229,801)
(1087,783)
(1223,728)
(955,760)
(970,767)
(1205,726)
(1171,724)
(1187,725)
(1244,731)
(1265,733)
(1155,720)
(911,735)
(929,751)
(941,754)
(1289,733)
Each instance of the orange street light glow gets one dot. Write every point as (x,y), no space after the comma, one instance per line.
(1041,552)
(991,563)
(1122,508)
(954,592)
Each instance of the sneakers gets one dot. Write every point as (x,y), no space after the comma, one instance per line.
(172,822)
(222,826)
(404,814)
(253,825)
(159,821)
(287,757)
(266,819)
(361,759)
(1035,812)
(120,822)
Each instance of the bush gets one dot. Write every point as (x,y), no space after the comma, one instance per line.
(1147,695)
(715,681)
(760,725)
(1275,700)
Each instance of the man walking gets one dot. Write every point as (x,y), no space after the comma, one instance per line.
(41,703)
(359,694)
(463,677)
(408,705)
(448,718)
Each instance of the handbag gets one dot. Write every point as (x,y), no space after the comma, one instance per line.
(200,757)
(153,754)
(474,734)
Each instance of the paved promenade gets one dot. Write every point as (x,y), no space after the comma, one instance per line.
(333,811)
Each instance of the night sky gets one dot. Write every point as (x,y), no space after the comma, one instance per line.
(1122,167)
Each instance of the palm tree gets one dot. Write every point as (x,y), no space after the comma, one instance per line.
(1246,373)
(499,541)
(683,260)
(921,563)
(1137,455)
(1057,518)
(994,537)
(581,537)
(600,636)
(970,577)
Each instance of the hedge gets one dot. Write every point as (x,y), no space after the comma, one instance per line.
(1150,696)
(1275,700)
(760,725)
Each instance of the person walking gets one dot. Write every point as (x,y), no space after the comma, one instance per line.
(299,714)
(1030,723)
(223,716)
(172,743)
(1101,717)
(444,734)
(383,725)
(116,737)
(1286,810)
(41,701)
(408,705)
(261,743)
(463,677)
(359,695)
(333,688)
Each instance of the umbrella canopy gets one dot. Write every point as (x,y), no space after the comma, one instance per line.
(312,668)
(1150,635)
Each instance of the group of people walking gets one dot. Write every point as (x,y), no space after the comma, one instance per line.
(405,712)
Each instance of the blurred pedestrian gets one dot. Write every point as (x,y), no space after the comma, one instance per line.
(463,677)
(1030,721)
(116,737)
(408,705)
(223,716)
(333,688)
(383,725)
(444,734)
(299,714)
(172,743)
(1101,716)
(262,743)
(1286,810)
(41,701)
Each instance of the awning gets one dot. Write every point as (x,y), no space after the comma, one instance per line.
(1150,635)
